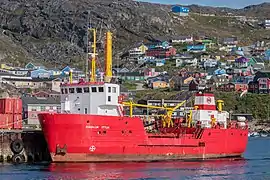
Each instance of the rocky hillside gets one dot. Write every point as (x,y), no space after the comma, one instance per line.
(53,31)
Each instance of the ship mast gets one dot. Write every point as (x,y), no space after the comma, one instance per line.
(93,54)
(108,57)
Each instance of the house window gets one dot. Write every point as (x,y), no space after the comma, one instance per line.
(86,89)
(109,89)
(71,90)
(34,109)
(94,89)
(66,91)
(100,89)
(42,108)
(79,90)
(109,99)
(114,90)
(58,109)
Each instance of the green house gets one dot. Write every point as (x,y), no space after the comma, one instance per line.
(132,76)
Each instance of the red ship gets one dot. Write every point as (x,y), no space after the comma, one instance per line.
(92,127)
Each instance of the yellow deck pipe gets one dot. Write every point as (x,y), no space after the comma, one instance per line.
(189,118)
(108,57)
(220,104)
(93,64)
(131,109)
(70,76)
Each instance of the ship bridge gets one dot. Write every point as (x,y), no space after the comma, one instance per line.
(96,98)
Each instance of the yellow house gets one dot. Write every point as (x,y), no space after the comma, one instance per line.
(160,84)
(143,48)
(5,66)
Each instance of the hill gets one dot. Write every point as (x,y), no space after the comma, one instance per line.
(53,31)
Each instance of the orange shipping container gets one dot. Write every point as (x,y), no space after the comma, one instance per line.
(6,106)
(17,106)
(17,124)
(6,121)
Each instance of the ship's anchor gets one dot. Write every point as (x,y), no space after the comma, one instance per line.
(61,151)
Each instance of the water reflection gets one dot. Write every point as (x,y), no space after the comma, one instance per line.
(212,169)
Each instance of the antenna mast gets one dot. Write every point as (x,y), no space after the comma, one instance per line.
(93,54)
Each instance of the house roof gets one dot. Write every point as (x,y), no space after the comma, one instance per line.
(36,100)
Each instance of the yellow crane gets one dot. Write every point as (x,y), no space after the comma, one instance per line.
(167,118)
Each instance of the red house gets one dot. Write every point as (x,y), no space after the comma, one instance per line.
(240,86)
(161,52)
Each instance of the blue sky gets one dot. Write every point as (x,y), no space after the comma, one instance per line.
(224,3)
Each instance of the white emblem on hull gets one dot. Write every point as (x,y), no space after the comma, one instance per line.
(92,148)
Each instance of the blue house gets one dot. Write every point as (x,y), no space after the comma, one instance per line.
(182,11)
(65,71)
(219,72)
(40,73)
(267,55)
(196,48)
(154,45)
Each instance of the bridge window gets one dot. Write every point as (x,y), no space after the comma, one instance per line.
(62,91)
(100,89)
(114,89)
(66,91)
(109,99)
(85,110)
(79,90)
(86,89)
(94,89)
(71,90)
(109,89)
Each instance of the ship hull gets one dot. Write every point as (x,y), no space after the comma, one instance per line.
(91,138)
(80,157)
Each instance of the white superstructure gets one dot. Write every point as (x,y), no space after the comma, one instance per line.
(96,98)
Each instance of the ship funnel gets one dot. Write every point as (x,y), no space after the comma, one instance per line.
(108,57)
(205,101)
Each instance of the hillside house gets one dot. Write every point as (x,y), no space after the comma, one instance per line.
(136,52)
(241,62)
(210,63)
(146,59)
(26,82)
(131,76)
(230,43)
(262,78)
(54,72)
(196,48)
(6,66)
(161,52)
(197,84)
(186,60)
(160,84)
(205,57)
(182,11)
(34,66)
(241,86)
(40,73)
(267,24)
(182,39)
(157,44)
(267,55)
(219,80)
(229,87)
(19,71)
(150,72)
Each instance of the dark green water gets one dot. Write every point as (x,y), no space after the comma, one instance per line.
(254,166)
